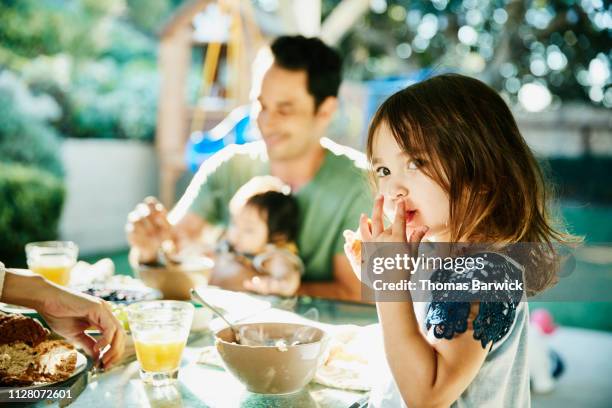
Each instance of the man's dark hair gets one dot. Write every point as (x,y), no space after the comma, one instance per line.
(281,213)
(322,64)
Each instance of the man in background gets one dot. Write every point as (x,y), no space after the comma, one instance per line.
(297,101)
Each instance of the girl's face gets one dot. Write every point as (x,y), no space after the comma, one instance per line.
(248,232)
(399,177)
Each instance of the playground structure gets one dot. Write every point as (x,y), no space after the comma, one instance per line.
(231,46)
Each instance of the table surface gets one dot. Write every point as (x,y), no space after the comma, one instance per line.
(206,386)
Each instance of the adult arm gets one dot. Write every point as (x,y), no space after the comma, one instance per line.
(68,313)
(345,285)
(150,224)
(146,234)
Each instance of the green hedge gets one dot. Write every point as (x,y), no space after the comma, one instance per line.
(584,179)
(26,134)
(31,203)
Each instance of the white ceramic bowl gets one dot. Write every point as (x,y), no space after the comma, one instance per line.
(273,369)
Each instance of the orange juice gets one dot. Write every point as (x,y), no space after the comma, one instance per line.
(159,353)
(54,268)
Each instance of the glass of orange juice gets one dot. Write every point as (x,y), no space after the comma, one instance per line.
(160,329)
(52,259)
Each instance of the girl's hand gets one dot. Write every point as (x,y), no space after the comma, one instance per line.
(397,232)
(374,231)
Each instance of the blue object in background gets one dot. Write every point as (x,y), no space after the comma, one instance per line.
(237,128)
(380,89)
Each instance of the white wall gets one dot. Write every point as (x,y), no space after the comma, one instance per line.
(105,179)
(571,131)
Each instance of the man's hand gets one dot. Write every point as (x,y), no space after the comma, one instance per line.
(70,314)
(147,228)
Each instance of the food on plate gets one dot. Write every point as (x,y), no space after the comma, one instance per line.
(117,295)
(28,356)
(15,327)
(120,292)
(119,289)
(349,362)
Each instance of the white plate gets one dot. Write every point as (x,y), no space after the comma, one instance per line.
(7,308)
(234,305)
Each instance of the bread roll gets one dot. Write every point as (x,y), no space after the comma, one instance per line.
(26,355)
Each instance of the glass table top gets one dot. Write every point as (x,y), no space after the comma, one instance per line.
(202,385)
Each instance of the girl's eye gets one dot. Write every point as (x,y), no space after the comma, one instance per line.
(382,171)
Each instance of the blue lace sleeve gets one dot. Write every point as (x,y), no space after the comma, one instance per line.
(490,325)
(494,319)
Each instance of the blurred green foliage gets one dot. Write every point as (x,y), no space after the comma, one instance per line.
(31,207)
(68,68)
(31,185)
(95,58)
(26,135)
(561,45)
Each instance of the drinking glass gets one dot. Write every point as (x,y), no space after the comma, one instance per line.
(160,330)
(52,259)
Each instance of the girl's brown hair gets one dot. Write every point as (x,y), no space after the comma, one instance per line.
(470,144)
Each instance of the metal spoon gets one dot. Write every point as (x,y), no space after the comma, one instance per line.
(196,297)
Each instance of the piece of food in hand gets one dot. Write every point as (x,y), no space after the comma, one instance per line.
(356,247)
(355,240)
(27,359)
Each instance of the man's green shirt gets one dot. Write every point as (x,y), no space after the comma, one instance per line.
(329,203)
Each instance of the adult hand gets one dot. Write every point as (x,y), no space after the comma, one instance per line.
(267,285)
(70,314)
(147,228)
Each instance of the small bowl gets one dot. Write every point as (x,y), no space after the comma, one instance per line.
(175,280)
(272,369)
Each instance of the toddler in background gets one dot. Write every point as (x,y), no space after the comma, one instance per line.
(262,235)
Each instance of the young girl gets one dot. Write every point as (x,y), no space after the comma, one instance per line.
(262,234)
(451,166)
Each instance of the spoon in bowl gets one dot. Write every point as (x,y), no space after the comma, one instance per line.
(196,297)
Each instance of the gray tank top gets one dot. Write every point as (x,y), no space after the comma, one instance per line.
(503,379)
